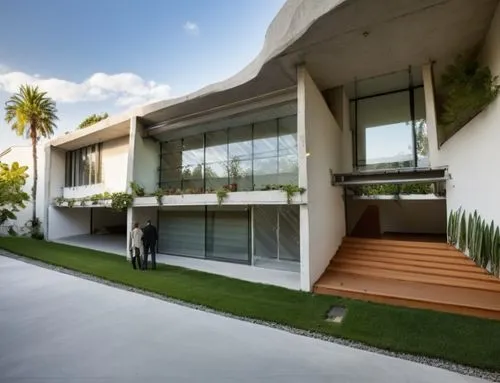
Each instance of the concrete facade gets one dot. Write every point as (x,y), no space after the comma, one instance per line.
(313,54)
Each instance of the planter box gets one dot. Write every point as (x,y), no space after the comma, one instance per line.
(272,197)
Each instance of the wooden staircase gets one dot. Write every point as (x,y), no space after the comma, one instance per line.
(429,275)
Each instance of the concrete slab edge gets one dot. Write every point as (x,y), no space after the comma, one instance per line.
(434,362)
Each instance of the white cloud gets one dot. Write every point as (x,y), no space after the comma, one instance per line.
(125,89)
(192,28)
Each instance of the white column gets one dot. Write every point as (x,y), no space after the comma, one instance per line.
(430,114)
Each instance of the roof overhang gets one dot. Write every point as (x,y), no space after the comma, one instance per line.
(105,130)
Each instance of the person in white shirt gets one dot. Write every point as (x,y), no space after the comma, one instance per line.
(136,246)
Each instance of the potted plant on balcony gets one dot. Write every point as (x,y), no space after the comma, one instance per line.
(235,172)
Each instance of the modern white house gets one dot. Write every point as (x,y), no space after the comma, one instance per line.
(342,96)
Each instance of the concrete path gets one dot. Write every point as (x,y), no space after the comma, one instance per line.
(58,328)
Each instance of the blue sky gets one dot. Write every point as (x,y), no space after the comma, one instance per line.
(98,56)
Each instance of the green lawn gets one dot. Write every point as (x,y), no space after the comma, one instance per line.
(461,339)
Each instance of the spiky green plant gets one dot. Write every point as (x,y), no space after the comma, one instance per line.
(462,244)
(469,231)
(495,253)
(450,226)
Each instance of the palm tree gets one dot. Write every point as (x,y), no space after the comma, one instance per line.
(31,113)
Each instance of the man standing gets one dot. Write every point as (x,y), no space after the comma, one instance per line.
(136,245)
(150,236)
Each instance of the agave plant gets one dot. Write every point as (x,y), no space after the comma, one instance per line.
(495,253)
(462,243)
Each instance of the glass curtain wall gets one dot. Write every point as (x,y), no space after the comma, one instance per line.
(277,232)
(391,130)
(242,158)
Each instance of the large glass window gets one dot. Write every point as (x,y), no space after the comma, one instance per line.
(228,234)
(384,132)
(216,160)
(83,166)
(288,169)
(242,158)
(192,164)
(391,130)
(265,154)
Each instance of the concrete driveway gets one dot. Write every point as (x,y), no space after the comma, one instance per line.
(59,328)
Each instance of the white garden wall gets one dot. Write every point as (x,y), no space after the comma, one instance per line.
(67,222)
(472,154)
(322,223)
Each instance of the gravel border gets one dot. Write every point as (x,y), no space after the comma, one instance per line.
(454,367)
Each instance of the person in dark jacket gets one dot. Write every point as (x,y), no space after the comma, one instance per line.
(149,237)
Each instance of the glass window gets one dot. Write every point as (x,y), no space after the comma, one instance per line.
(216,160)
(384,132)
(171,165)
(83,166)
(228,234)
(422,141)
(288,161)
(240,158)
(192,164)
(181,231)
(289,233)
(265,151)
(265,231)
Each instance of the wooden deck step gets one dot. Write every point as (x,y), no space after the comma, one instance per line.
(393,242)
(381,260)
(400,249)
(421,278)
(340,263)
(411,294)
(456,259)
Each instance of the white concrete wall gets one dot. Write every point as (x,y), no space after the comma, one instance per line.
(419,217)
(23,155)
(114,164)
(146,161)
(322,223)
(472,154)
(67,222)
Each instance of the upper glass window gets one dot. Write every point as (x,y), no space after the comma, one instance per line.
(248,157)
(83,166)
(391,131)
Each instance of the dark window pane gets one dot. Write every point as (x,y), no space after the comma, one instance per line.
(182,232)
(227,234)
(265,231)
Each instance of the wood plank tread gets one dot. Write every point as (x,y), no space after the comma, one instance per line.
(457,259)
(422,278)
(364,264)
(469,267)
(394,242)
(412,294)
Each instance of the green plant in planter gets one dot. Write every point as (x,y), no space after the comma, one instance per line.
(221,195)
(121,201)
(159,193)
(137,190)
(466,89)
(59,201)
(291,190)
(71,202)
